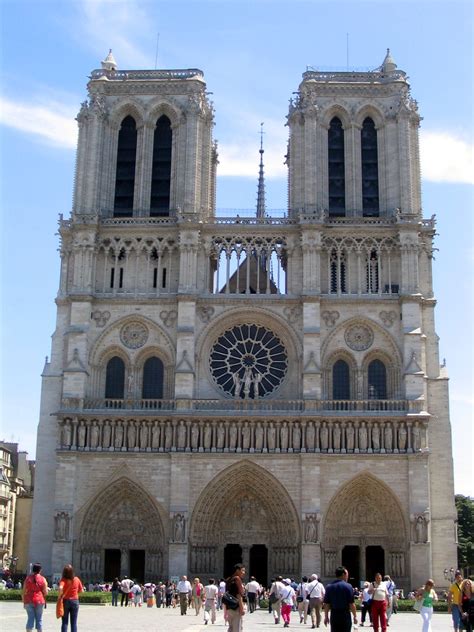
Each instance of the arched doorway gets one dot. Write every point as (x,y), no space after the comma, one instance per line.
(245,515)
(364,529)
(121,533)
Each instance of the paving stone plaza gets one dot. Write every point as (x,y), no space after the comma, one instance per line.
(99,618)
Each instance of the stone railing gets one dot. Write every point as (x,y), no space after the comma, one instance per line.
(148,75)
(252,406)
(366,436)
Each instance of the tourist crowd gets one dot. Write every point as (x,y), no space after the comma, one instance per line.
(308,600)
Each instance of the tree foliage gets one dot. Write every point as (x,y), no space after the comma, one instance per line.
(465,509)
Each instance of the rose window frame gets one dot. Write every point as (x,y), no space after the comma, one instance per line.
(248,361)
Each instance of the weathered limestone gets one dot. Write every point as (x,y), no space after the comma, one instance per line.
(264,389)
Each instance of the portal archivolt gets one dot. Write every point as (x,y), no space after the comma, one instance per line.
(123,518)
(247,505)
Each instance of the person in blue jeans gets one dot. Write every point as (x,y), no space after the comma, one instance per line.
(69,588)
(35,590)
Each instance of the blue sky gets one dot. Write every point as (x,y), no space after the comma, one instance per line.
(253,55)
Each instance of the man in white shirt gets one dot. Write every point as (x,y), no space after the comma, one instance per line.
(210,594)
(125,586)
(184,589)
(315,594)
(275,598)
(252,589)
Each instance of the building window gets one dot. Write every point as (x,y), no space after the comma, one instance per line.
(372,273)
(337,264)
(377,380)
(153,372)
(370,169)
(125,174)
(336,184)
(341,388)
(161,170)
(115,378)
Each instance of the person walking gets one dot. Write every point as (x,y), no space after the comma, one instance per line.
(184,590)
(391,592)
(70,587)
(427,596)
(365,603)
(339,601)
(235,587)
(379,593)
(455,601)
(315,594)
(274,598)
(197,595)
(302,600)
(288,600)
(35,589)
(252,589)
(210,595)
(467,604)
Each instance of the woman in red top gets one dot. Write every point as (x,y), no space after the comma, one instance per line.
(69,588)
(35,590)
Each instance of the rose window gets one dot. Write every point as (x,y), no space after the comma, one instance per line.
(248,361)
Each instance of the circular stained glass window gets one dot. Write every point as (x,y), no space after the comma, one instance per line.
(248,361)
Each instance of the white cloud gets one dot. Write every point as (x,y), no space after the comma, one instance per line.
(52,122)
(446,158)
(103,24)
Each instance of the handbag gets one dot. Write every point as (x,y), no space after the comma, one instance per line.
(230,601)
(59,608)
(273,598)
(417,605)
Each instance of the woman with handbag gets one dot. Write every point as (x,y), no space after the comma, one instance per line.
(467,604)
(35,590)
(69,588)
(427,596)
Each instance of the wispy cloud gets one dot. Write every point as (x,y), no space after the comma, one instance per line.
(446,158)
(50,122)
(103,24)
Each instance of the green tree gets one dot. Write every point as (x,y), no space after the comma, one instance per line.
(465,509)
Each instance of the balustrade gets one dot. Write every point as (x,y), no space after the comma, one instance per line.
(256,406)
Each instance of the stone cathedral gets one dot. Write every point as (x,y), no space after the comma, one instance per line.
(260,389)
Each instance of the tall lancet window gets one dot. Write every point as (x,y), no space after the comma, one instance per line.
(161,173)
(370,169)
(337,184)
(125,175)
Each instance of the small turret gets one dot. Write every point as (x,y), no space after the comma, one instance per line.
(388,65)
(109,62)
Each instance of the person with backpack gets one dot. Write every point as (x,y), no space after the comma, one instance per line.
(35,590)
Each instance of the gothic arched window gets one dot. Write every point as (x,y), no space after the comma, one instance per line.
(125,173)
(377,380)
(337,262)
(372,272)
(115,378)
(370,169)
(341,387)
(153,372)
(336,184)
(161,170)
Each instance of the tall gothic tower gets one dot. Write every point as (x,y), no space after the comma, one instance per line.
(255,389)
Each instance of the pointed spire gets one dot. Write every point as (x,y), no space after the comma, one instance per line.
(261,180)
(388,64)
(109,62)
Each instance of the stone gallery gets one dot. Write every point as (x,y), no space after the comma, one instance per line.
(254,388)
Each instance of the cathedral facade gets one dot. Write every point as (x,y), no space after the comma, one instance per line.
(258,389)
